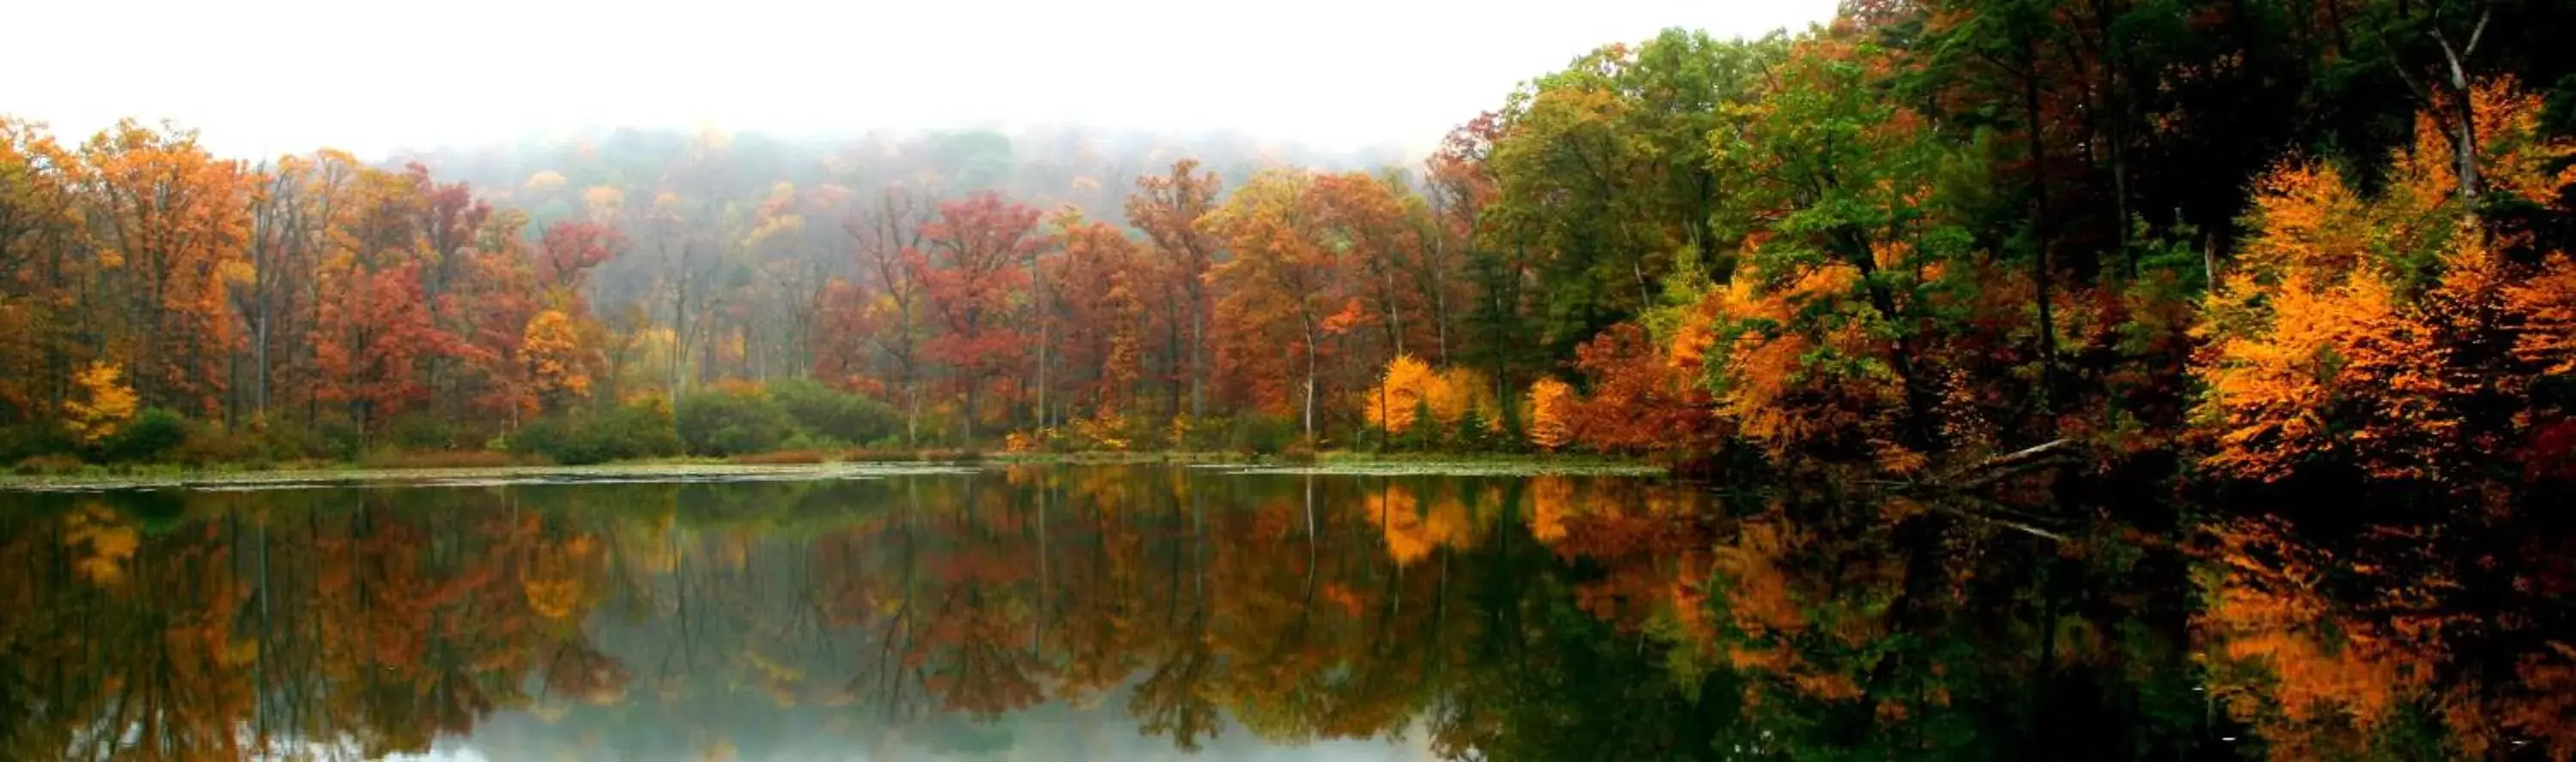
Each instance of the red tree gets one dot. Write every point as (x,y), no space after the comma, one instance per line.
(972,268)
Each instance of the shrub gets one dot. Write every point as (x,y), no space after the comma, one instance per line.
(637,430)
(721,423)
(48,465)
(149,436)
(824,412)
(430,431)
(210,444)
(29,440)
(1262,434)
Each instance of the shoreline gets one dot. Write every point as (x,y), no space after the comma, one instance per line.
(706,469)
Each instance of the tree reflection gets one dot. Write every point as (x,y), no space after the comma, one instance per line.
(1087,610)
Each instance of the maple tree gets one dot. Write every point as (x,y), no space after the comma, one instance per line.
(1168,208)
(972,275)
(172,221)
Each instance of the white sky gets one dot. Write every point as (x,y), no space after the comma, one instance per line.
(262,77)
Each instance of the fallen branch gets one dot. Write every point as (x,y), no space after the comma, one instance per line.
(1987,472)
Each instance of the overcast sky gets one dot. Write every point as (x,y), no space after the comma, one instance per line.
(261,77)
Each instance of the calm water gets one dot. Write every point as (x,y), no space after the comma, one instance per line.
(1152,613)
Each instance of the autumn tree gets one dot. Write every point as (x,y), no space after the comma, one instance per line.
(1169,209)
(106,403)
(2364,331)
(972,274)
(1831,206)
(1285,286)
(1101,284)
(172,223)
(1550,408)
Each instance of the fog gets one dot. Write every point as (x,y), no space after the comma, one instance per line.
(261,78)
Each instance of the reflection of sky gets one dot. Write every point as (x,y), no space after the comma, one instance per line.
(1044,733)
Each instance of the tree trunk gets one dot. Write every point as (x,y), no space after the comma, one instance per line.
(2041,272)
(1310,379)
(1198,352)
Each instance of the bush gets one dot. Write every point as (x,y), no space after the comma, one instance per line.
(1261,434)
(210,444)
(29,440)
(639,430)
(149,436)
(430,431)
(721,423)
(827,413)
(49,465)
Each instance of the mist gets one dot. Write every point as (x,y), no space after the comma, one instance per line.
(262,78)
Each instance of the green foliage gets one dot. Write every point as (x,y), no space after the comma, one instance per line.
(1604,174)
(150,435)
(821,413)
(1258,434)
(431,431)
(583,436)
(33,439)
(721,423)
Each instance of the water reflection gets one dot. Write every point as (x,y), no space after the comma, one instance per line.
(1147,612)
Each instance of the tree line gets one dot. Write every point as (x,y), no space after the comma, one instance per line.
(2272,237)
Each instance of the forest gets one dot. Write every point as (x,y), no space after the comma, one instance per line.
(2260,241)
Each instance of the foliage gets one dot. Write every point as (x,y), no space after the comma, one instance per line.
(731,422)
(107,405)
(820,411)
(642,429)
(155,432)
(1551,405)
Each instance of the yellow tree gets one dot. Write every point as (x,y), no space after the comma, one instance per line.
(106,403)
(2361,330)
(1550,402)
(1406,387)
(554,356)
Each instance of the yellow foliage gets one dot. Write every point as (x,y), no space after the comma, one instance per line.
(2547,304)
(1458,390)
(107,542)
(1551,402)
(1551,502)
(2339,370)
(552,350)
(106,403)
(1406,385)
(552,598)
(1104,430)
(1019,441)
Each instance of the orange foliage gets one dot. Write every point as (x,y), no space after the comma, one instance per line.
(2340,373)
(1551,404)
(1640,400)
(1788,382)
(2357,330)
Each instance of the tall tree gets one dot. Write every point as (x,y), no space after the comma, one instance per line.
(1169,209)
(972,271)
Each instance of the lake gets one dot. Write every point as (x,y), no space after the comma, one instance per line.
(1154,612)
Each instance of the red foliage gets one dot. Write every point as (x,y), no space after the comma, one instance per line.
(1639,400)
(570,248)
(976,268)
